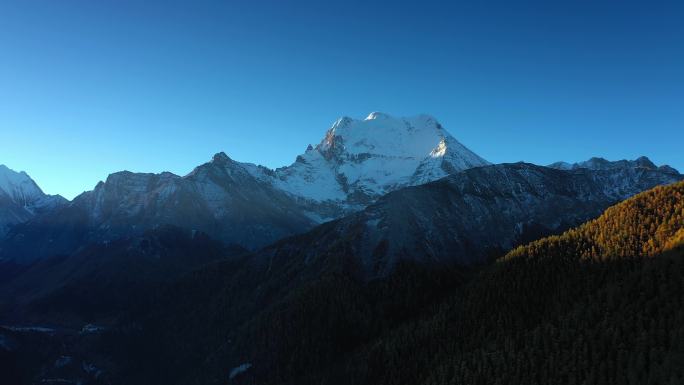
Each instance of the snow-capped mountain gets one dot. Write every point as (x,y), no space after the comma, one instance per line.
(356,162)
(21,198)
(359,160)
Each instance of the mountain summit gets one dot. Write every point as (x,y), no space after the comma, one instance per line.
(18,186)
(360,160)
(21,198)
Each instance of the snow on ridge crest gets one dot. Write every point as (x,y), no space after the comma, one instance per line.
(377,115)
(19,186)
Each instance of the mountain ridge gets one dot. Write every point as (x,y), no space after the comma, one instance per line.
(598,163)
(22,199)
(356,162)
(466,217)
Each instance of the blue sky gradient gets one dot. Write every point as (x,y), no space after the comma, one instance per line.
(88,88)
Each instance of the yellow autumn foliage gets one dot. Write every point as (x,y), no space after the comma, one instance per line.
(645,225)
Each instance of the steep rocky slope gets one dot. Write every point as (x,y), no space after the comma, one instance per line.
(468,216)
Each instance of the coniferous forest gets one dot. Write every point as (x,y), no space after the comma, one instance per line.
(599,304)
(602,303)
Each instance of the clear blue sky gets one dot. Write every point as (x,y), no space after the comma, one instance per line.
(92,87)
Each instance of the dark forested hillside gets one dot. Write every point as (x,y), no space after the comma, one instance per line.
(600,304)
(550,317)
(587,307)
(542,322)
(102,280)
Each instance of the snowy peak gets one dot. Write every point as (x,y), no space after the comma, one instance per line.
(21,198)
(19,187)
(382,134)
(360,160)
(597,163)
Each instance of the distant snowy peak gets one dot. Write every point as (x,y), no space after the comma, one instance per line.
(603,164)
(21,198)
(19,187)
(360,160)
